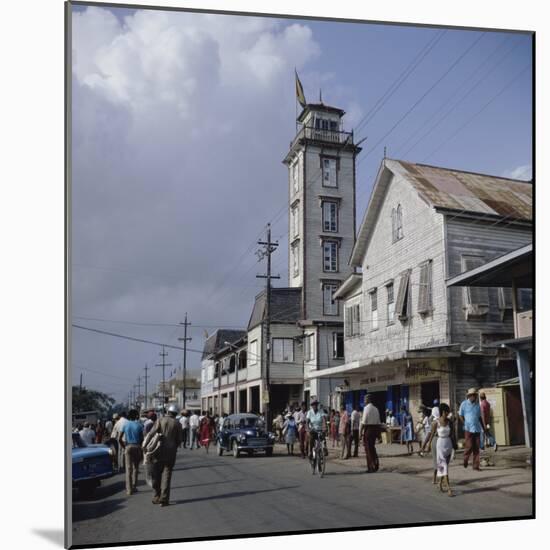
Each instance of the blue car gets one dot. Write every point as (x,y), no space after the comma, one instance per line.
(91,464)
(244,433)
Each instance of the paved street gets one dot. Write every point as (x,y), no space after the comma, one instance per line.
(260,494)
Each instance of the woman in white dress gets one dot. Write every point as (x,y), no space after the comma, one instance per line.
(443,427)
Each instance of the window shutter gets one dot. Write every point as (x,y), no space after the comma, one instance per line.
(393,239)
(347,321)
(475,295)
(402,302)
(425,288)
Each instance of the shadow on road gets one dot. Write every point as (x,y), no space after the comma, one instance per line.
(102,492)
(204,484)
(234,494)
(94,510)
(490,489)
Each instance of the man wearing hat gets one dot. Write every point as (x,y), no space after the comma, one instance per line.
(470,415)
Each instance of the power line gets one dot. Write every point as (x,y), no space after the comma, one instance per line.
(421,98)
(147,324)
(476,114)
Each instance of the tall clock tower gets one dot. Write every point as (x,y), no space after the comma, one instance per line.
(322,221)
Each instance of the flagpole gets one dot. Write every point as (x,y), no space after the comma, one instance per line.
(295,100)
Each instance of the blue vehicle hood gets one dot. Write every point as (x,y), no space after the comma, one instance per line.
(91,451)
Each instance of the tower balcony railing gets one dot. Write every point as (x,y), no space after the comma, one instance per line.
(325,135)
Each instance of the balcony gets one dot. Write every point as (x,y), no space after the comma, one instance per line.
(323,135)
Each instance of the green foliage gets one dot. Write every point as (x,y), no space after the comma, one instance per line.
(91,400)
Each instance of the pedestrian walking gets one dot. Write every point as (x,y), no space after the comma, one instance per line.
(206,434)
(300,418)
(355,428)
(370,430)
(334,423)
(435,410)
(117,429)
(445,446)
(130,439)
(470,416)
(149,422)
(278,427)
(407,434)
(165,458)
(99,432)
(344,431)
(424,430)
(290,433)
(485,408)
(194,426)
(87,434)
(184,421)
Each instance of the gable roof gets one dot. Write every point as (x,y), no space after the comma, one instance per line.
(217,340)
(286,306)
(448,189)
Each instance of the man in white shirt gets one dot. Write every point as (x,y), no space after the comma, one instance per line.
(117,430)
(194,427)
(355,427)
(370,428)
(87,434)
(184,421)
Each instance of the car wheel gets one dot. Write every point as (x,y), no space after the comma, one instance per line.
(235,449)
(269,451)
(220,449)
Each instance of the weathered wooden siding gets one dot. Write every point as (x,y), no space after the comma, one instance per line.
(489,240)
(385,261)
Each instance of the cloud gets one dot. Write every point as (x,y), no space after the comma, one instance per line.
(180,122)
(523,172)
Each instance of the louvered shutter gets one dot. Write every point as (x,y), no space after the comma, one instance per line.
(425,290)
(402,305)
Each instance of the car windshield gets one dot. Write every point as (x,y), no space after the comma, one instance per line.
(250,422)
(78,441)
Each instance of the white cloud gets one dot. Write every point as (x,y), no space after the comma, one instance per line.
(523,172)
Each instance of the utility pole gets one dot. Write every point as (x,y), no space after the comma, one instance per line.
(268,248)
(139,387)
(146,378)
(163,354)
(185,340)
(80,388)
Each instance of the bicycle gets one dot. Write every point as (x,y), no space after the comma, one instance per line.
(317,457)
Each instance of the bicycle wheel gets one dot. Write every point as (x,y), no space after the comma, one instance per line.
(313,461)
(322,463)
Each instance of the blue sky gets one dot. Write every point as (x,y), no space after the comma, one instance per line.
(180,123)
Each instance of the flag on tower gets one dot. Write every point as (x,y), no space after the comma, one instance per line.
(300,91)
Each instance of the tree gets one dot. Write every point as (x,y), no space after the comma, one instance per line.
(91,400)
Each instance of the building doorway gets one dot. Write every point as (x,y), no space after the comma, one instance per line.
(514,415)
(255,399)
(429,391)
(243,405)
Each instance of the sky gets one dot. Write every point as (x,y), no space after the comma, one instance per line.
(180,122)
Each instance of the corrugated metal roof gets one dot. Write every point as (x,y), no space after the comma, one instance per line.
(286,305)
(468,191)
(216,341)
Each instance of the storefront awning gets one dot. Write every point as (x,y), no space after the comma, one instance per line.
(364,366)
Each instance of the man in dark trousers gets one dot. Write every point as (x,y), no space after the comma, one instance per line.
(163,463)
(370,429)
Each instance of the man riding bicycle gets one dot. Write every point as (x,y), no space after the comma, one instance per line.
(316,423)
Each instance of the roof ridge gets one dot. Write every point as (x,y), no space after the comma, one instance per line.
(530,182)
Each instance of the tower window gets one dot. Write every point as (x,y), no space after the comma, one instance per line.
(330,256)
(295,216)
(295,180)
(330,305)
(330,216)
(295,261)
(328,167)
